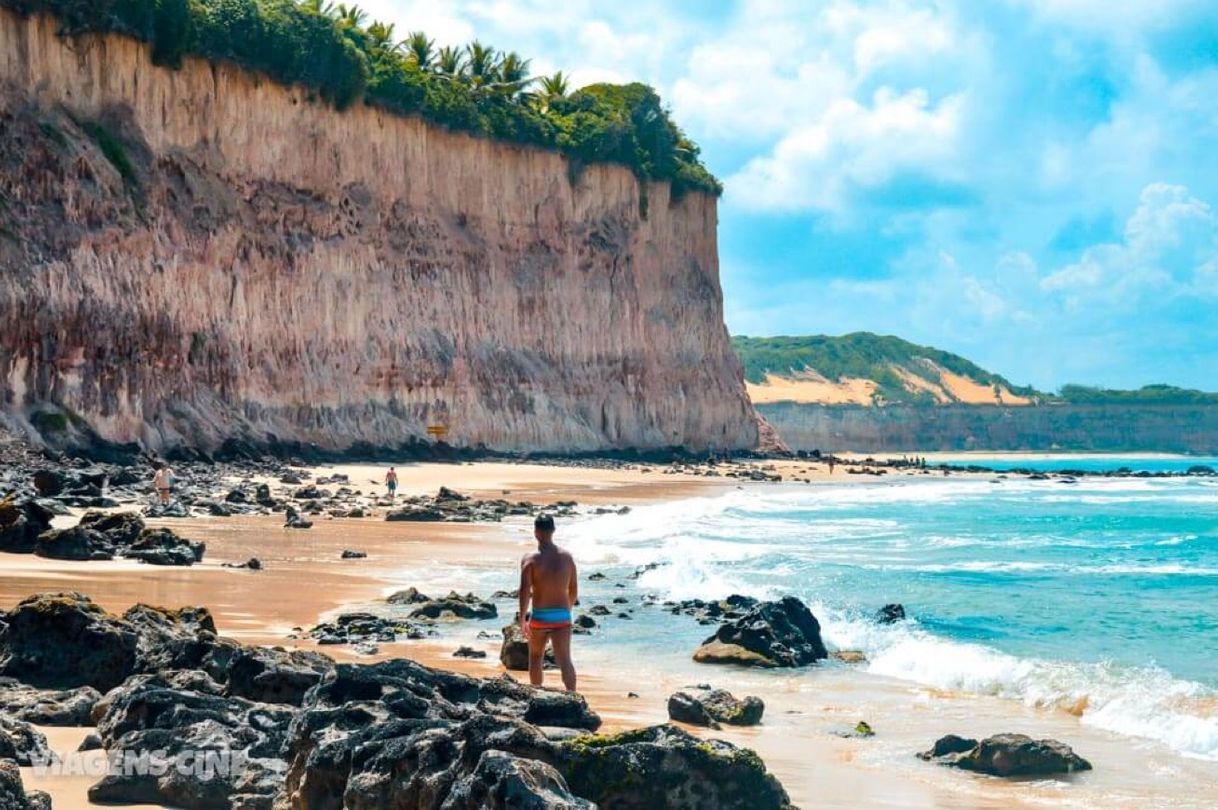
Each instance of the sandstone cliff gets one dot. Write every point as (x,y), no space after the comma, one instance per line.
(195,255)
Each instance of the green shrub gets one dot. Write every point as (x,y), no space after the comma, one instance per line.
(111,147)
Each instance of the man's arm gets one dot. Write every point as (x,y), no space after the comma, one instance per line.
(526,594)
(573,585)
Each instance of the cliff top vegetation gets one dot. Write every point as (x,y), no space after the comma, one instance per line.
(337,52)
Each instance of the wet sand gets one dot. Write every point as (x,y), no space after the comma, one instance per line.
(304,581)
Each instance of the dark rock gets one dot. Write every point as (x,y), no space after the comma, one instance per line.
(585,621)
(77,543)
(167,714)
(714,612)
(447,494)
(164,547)
(410,596)
(354,628)
(351,554)
(294,520)
(514,652)
(891,614)
(22,743)
(12,791)
(120,528)
(307,493)
(21,521)
(253,564)
(1008,755)
(47,707)
(48,483)
(600,610)
(64,640)
(664,766)
(290,478)
(710,707)
(214,508)
(501,781)
(455,605)
(771,634)
(415,514)
(275,675)
(469,652)
(91,742)
(596,577)
(262,495)
(236,496)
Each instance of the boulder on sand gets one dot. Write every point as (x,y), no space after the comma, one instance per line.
(164,547)
(770,634)
(514,653)
(21,521)
(120,528)
(710,707)
(78,543)
(1007,755)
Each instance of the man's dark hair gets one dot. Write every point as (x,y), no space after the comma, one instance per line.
(544,523)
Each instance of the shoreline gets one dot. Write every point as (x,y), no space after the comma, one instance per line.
(795,740)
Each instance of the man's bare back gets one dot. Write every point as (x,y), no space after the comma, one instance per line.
(549,588)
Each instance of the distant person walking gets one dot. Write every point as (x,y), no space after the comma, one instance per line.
(549,588)
(832,461)
(391,481)
(162,481)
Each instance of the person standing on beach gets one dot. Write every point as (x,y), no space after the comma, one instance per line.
(549,585)
(162,481)
(391,481)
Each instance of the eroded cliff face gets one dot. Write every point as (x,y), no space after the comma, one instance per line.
(194,255)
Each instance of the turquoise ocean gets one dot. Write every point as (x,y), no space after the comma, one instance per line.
(1098,597)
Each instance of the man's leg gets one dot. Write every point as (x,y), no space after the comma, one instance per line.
(562,653)
(537,655)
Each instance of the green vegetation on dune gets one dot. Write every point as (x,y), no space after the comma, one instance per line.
(872,357)
(859,355)
(336,52)
(1146,395)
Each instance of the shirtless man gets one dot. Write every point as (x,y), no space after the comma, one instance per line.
(391,481)
(162,480)
(548,582)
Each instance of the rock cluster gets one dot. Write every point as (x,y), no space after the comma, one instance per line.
(290,729)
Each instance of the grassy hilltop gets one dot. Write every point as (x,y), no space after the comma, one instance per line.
(869,369)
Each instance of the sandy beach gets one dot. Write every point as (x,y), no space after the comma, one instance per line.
(304,582)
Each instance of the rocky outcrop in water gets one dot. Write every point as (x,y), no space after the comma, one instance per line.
(200,255)
(1007,755)
(769,634)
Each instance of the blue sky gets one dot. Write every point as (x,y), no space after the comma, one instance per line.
(1030,183)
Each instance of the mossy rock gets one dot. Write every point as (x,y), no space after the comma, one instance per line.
(663,766)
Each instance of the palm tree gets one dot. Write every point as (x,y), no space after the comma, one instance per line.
(422,51)
(321,7)
(481,63)
(553,87)
(514,70)
(450,61)
(351,16)
(381,36)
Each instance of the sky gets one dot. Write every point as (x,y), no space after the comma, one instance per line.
(1030,183)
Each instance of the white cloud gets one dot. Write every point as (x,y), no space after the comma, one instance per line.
(851,146)
(1169,243)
